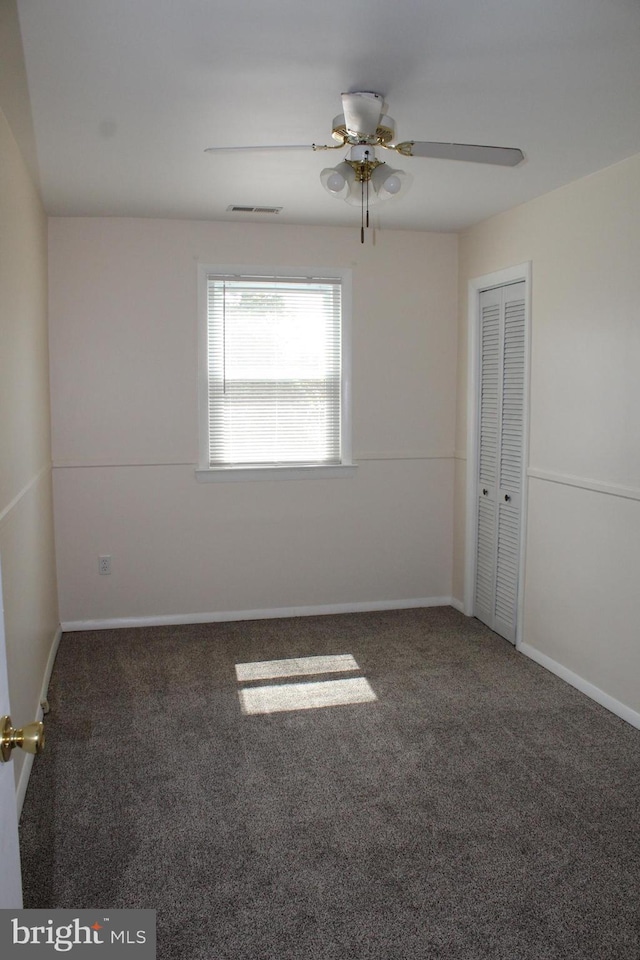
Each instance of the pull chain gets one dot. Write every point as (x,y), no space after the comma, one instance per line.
(367,204)
(364,183)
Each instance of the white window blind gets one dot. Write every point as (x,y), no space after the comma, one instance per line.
(274,371)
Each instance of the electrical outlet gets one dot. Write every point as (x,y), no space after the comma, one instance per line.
(104,565)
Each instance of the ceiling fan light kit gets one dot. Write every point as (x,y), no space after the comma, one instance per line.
(362,179)
(347,179)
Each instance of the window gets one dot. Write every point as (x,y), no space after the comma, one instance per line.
(274,373)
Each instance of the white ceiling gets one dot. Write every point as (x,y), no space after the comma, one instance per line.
(126,95)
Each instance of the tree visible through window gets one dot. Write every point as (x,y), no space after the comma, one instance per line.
(274,371)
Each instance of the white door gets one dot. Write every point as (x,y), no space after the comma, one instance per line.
(10,879)
(500,457)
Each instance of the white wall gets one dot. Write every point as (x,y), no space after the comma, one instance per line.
(123,330)
(26,517)
(582,603)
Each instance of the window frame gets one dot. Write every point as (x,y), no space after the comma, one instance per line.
(346,468)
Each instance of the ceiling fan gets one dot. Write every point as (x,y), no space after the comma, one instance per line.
(362,178)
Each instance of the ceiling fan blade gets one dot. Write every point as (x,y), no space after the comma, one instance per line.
(470,152)
(262,149)
(362,112)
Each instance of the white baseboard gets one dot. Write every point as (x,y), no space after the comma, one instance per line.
(604,699)
(25,773)
(457,604)
(368,606)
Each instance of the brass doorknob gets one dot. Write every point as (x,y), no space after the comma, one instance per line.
(29,738)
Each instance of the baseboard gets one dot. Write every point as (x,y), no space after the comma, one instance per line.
(25,773)
(457,604)
(604,699)
(369,606)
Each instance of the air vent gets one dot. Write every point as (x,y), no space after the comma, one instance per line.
(234,208)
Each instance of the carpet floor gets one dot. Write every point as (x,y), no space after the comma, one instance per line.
(477,809)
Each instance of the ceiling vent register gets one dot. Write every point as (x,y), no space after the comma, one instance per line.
(235,208)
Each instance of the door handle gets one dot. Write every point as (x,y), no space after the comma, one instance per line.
(507,497)
(484,491)
(29,738)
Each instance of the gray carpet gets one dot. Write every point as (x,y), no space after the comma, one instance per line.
(479,809)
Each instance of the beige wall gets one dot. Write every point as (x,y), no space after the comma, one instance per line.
(26,525)
(123,330)
(582,605)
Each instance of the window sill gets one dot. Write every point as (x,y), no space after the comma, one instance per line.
(226,474)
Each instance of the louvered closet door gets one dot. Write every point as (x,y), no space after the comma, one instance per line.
(500,461)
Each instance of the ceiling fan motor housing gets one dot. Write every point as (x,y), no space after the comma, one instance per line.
(385,132)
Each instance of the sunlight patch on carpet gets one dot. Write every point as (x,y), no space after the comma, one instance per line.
(277,698)
(295,667)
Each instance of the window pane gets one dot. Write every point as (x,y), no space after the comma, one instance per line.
(274,353)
